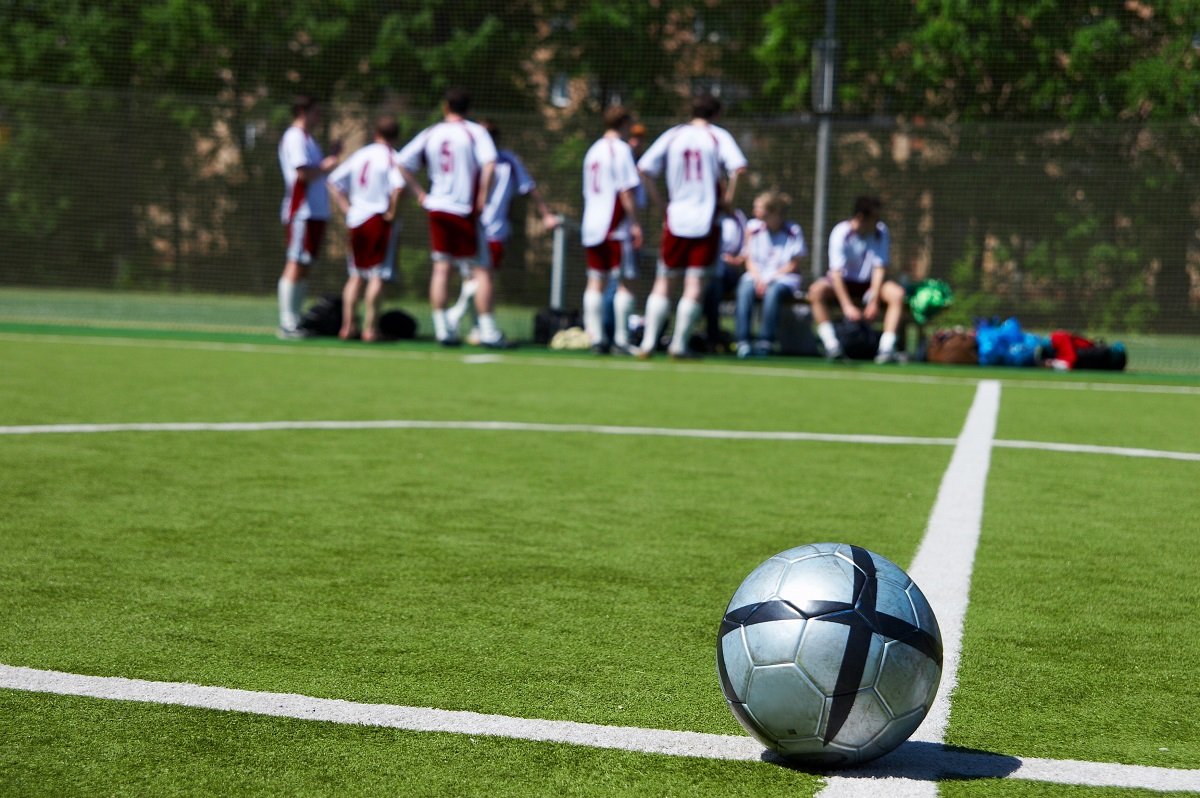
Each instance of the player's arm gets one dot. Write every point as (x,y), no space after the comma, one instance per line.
(652,190)
(628,199)
(549,217)
(731,189)
(339,197)
(410,179)
(877,275)
(486,174)
(394,205)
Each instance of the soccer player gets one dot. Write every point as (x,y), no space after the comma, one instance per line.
(858,263)
(702,164)
(460,158)
(367,188)
(305,208)
(774,247)
(610,226)
(511,179)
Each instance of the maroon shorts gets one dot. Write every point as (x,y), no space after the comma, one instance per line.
(687,253)
(605,256)
(856,290)
(369,243)
(453,235)
(496,250)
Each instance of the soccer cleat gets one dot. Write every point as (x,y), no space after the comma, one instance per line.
(292,333)
(763,348)
(450,341)
(889,357)
(744,350)
(499,342)
(624,349)
(836,355)
(601,349)
(643,354)
(684,354)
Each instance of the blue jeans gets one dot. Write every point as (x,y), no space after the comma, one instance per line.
(770,313)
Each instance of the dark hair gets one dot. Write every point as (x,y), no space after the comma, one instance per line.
(705,106)
(493,130)
(867,205)
(457,100)
(387,128)
(302,103)
(616,116)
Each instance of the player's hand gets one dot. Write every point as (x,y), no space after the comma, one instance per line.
(872,311)
(635,232)
(852,313)
(550,220)
(335,147)
(760,287)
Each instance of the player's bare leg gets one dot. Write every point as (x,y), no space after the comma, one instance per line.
(489,333)
(439,282)
(820,295)
(350,294)
(370,332)
(892,295)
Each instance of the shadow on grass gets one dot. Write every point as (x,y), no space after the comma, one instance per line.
(919,761)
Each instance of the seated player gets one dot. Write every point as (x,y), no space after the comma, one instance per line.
(858,263)
(774,247)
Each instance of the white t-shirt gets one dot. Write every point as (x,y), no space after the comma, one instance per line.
(511,179)
(695,157)
(453,153)
(608,169)
(301,200)
(733,233)
(771,251)
(368,178)
(856,257)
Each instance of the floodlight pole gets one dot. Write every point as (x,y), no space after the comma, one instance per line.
(824,85)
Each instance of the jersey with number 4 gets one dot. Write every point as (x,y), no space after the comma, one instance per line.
(695,157)
(368,178)
(453,153)
(608,170)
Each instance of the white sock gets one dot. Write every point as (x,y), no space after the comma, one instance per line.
(828,336)
(441,328)
(622,308)
(686,313)
(593,316)
(455,313)
(887,343)
(657,308)
(288,318)
(489,333)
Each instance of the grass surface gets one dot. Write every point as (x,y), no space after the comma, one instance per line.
(544,575)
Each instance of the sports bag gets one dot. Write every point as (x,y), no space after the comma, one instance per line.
(953,346)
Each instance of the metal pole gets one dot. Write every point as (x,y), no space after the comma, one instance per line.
(558,266)
(824,94)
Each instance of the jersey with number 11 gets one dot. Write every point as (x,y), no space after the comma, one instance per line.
(696,157)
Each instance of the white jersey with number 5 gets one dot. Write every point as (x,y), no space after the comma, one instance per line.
(453,153)
(696,157)
(608,169)
(367,178)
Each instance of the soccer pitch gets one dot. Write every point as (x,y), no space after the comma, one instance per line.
(235,566)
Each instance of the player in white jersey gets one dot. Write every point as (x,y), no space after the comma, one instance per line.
(511,180)
(304,211)
(610,227)
(460,158)
(773,249)
(858,263)
(702,163)
(367,187)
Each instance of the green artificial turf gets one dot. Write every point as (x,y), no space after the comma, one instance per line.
(554,575)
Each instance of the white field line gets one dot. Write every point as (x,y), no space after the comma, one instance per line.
(585,429)
(604,364)
(919,762)
(942,568)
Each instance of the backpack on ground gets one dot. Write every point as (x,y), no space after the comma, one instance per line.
(549,321)
(1076,352)
(955,346)
(858,339)
(324,316)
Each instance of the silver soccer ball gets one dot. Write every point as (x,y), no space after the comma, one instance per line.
(829,655)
